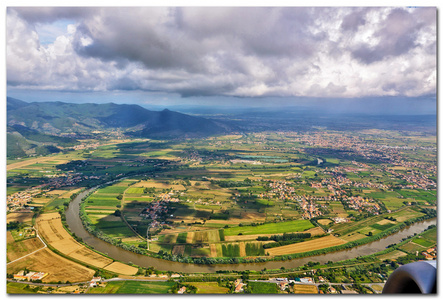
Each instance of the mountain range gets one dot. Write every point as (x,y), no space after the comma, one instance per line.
(43,124)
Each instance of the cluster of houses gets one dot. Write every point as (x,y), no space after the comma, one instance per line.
(359,204)
(388,154)
(30,276)
(431,253)
(158,208)
(239,286)
(17,200)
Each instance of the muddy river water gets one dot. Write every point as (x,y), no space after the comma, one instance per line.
(76,226)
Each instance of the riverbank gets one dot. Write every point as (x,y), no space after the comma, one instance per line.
(76,227)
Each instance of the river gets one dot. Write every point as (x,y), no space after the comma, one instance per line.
(76,226)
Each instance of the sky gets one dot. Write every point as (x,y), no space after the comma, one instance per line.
(222,55)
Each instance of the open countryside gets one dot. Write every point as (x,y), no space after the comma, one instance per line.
(187,154)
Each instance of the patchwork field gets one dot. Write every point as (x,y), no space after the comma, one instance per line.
(291,226)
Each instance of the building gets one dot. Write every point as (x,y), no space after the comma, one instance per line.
(30,276)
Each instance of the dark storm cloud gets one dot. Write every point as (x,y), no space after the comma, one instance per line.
(231,51)
(51,14)
(352,21)
(397,36)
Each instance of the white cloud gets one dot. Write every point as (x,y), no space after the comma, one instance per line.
(248,52)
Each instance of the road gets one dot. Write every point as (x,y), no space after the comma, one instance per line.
(33,251)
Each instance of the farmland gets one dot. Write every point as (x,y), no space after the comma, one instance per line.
(215,200)
(133,287)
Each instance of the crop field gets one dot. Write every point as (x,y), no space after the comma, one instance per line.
(305,289)
(59,268)
(412,248)
(215,200)
(393,255)
(291,226)
(430,235)
(320,243)
(423,242)
(18,249)
(53,232)
(405,214)
(21,217)
(120,268)
(208,287)
(133,287)
(263,287)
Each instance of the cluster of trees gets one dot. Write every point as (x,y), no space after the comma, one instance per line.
(285,237)
(231,183)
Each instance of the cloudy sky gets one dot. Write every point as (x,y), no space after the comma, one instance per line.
(241,53)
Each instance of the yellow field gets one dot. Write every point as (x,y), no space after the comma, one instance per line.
(393,255)
(159,185)
(19,249)
(305,289)
(189,237)
(320,243)
(56,192)
(209,288)
(324,221)
(352,236)
(242,249)
(28,162)
(213,248)
(386,221)
(120,268)
(51,229)
(59,268)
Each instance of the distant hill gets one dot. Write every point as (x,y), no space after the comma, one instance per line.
(38,127)
(58,117)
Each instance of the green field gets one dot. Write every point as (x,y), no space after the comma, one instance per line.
(423,242)
(133,287)
(263,287)
(18,288)
(270,228)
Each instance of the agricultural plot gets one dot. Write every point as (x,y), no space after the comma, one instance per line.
(316,244)
(18,249)
(111,225)
(263,287)
(208,287)
(412,248)
(405,214)
(423,242)
(270,228)
(59,268)
(430,235)
(21,217)
(393,255)
(51,229)
(304,289)
(133,287)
